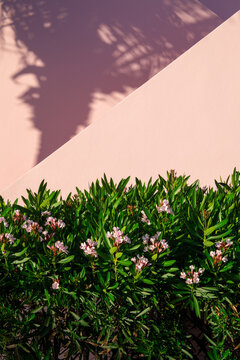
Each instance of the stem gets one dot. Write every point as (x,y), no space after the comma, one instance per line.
(93,268)
(54,264)
(115,268)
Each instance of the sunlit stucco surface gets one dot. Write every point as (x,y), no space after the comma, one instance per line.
(64,64)
(185,118)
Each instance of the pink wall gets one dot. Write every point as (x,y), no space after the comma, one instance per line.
(185,118)
(64,63)
(223,8)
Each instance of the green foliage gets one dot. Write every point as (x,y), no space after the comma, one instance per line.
(80,276)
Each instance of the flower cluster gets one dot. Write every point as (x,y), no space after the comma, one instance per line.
(118,237)
(164,207)
(31,226)
(89,247)
(18,217)
(5,238)
(54,223)
(153,244)
(3,220)
(140,262)
(58,247)
(46,236)
(55,284)
(126,189)
(223,245)
(44,213)
(144,218)
(218,257)
(192,277)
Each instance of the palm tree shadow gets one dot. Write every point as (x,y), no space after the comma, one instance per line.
(224,9)
(95,46)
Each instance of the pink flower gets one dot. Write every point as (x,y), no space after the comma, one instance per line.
(223,245)
(44,213)
(3,220)
(89,247)
(57,248)
(183,275)
(144,218)
(31,226)
(54,223)
(218,257)
(18,217)
(164,207)
(46,236)
(145,239)
(159,246)
(192,277)
(118,237)
(140,262)
(55,284)
(59,245)
(7,238)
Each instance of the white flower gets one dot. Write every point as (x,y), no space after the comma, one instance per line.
(145,239)
(164,206)
(3,220)
(144,218)
(183,275)
(89,247)
(140,262)
(55,285)
(59,245)
(45,213)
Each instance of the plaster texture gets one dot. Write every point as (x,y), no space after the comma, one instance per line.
(185,118)
(65,63)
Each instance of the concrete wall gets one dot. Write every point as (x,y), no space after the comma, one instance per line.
(64,63)
(185,118)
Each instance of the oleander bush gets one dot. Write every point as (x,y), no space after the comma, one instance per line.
(149,271)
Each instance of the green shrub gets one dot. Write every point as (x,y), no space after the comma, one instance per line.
(146,271)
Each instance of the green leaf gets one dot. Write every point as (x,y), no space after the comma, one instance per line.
(110,295)
(113,250)
(21,252)
(227,267)
(144,312)
(115,205)
(118,255)
(34,311)
(71,293)
(215,227)
(47,295)
(169,263)
(196,307)
(210,340)
(147,281)
(187,353)
(154,257)
(21,261)
(135,247)
(208,243)
(77,317)
(83,323)
(82,273)
(125,262)
(66,260)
